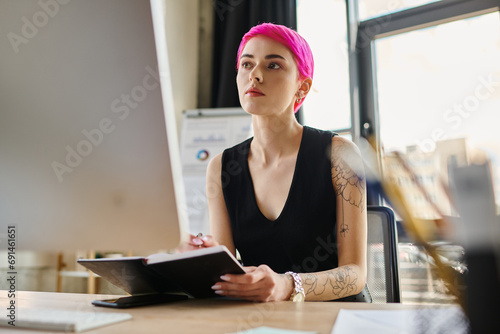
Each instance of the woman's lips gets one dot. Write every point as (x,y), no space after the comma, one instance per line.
(254,92)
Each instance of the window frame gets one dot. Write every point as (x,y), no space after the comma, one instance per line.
(361,38)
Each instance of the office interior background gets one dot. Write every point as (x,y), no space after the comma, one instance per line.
(419,77)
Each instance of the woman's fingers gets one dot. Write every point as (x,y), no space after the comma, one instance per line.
(244,291)
(258,284)
(208,240)
(197,242)
(202,240)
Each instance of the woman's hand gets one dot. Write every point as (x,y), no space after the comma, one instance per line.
(197,242)
(260,284)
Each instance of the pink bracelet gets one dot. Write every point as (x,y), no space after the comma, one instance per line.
(298,295)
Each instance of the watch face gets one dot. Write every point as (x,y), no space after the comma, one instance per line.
(299,297)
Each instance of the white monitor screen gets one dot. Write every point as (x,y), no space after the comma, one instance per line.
(88,146)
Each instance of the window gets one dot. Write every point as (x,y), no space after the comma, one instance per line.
(439,90)
(373,8)
(323,24)
(430,89)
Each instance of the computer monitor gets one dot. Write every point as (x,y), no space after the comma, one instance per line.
(89,156)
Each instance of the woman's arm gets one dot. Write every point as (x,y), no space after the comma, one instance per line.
(350,189)
(220,227)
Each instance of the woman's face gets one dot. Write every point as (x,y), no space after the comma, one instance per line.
(267,77)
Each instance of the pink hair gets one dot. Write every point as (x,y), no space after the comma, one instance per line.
(291,40)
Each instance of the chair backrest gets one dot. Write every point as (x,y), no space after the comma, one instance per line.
(382,257)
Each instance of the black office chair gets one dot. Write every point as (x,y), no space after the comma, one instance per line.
(382,257)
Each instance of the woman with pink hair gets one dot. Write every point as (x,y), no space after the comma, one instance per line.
(291,199)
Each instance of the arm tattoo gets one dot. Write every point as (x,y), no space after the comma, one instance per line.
(341,282)
(344,228)
(349,185)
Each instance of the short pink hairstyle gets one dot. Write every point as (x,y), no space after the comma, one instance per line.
(291,40)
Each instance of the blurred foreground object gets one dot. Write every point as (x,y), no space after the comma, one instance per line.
(470,193)
(384,177)
(478,230)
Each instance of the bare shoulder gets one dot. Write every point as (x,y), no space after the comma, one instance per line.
(214,166)
(346,156)
(343,146)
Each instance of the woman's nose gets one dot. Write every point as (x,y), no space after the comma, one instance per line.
(256,75)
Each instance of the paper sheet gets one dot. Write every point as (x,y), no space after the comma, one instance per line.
(271,330)
(416,321)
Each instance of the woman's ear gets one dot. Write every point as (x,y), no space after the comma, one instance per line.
(305,87)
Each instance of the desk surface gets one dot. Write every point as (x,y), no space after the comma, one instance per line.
(199,315)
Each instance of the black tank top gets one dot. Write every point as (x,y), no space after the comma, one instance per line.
(303,237)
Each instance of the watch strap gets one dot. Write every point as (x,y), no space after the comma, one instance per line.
(298,294)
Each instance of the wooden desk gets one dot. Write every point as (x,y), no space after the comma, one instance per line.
(197,316)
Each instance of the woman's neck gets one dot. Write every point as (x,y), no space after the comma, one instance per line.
(275,137)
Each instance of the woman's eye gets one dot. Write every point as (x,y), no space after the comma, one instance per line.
(246,65)
(274,66)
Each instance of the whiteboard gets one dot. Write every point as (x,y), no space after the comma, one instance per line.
(204,134)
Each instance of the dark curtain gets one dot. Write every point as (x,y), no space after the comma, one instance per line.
(232,19)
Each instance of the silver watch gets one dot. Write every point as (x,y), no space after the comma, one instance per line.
(298,294)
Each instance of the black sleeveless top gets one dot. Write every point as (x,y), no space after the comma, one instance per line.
(303,237)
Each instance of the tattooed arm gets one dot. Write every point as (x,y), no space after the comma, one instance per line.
(350,189)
